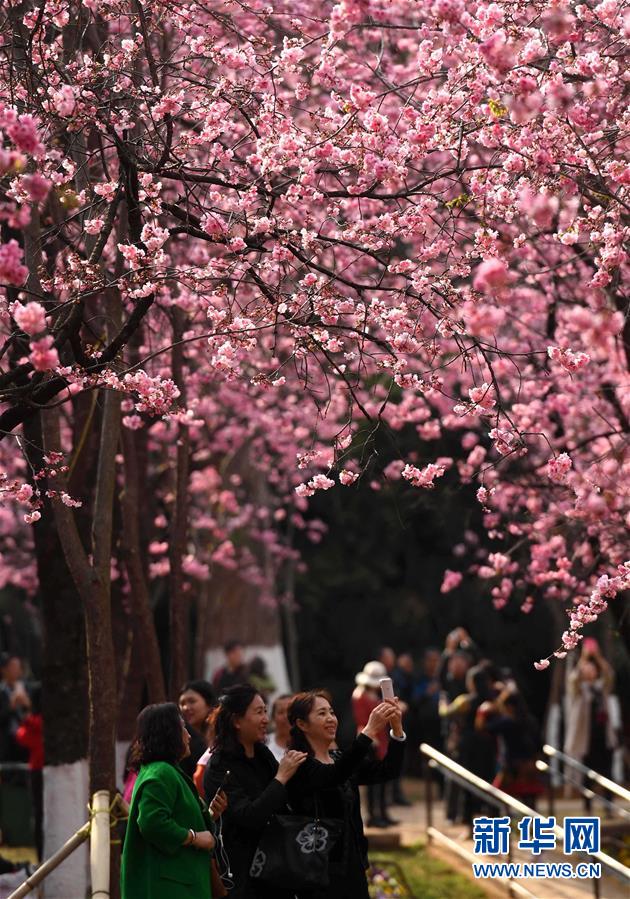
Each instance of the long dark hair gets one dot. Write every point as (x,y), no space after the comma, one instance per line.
(158,736)
(232,704)
(299,710)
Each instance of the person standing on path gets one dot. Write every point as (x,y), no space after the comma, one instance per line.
(30,735)
(15,703)
(170,832)
(196,700)
(255,784)
(591,735)
(365,698)
(326,785)
(234,671)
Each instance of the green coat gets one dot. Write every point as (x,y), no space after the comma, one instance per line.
(155,865)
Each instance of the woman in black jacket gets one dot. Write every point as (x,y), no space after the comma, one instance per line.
(196,701)
(253,780)
(327,783)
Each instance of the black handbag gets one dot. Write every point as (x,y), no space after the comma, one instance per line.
(293,851)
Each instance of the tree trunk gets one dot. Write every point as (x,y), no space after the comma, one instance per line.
(93,584)
(144,626)
(64,699)
(131,692)
(101,661)
(179,604)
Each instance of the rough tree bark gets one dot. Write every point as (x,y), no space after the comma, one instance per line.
(179,605)
(64,695)
(144,627)
(92,580)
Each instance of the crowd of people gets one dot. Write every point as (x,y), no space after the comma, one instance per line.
(205,776)
(21,733)
(208,776)
(472,709)
(457,701)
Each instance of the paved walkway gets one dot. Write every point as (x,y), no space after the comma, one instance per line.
(412,830)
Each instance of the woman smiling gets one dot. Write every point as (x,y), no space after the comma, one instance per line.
(326,785)
(254,782)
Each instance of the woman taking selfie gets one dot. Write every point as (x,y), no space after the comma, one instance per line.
(254,782)
(169,839)
(326,785)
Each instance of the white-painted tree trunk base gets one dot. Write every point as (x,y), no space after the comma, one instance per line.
(66,797)
(273,656)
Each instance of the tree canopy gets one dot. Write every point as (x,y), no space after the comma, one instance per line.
(269,232)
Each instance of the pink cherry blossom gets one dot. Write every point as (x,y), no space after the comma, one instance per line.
(424,477)
(451,580)
(491,277)
(568,359)
(64,100)
(31,318)
(36,186)
(24,133)
(274,250)
(558,468)
(12,271)
(498,52)
(43,355)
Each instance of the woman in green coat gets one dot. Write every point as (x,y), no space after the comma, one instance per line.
(170,832)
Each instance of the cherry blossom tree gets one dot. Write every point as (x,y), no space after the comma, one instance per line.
(266,232)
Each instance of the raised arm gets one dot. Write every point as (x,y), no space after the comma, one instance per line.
(314,775)
(372,771)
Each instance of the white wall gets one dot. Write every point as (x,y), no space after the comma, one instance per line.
(273,656)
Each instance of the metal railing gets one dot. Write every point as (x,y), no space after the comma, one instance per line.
(604,782)
(589,796)
(97,829)
(509,805)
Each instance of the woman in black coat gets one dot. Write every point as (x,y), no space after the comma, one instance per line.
(327,783)
(255,785)
(196,701)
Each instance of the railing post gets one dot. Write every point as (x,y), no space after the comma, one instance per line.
(100,845)
(429,794)
(508,811)
(545,770)
(588,800)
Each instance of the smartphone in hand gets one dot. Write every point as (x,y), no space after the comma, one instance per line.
(387,688)
(224,782)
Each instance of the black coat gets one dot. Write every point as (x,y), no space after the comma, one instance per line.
(253,797)
(332,791)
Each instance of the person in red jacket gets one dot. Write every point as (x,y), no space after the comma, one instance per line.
(30,735)
(365,698)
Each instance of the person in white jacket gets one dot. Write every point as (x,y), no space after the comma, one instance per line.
(592,728)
